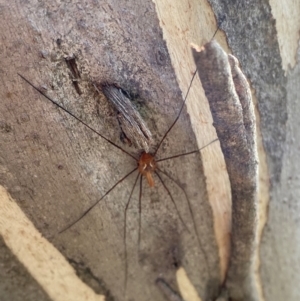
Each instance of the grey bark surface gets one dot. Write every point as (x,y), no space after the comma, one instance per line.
(16,283)
(252,37)
(280,249)
(55,168)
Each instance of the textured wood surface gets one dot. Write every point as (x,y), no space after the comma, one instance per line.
(54,168)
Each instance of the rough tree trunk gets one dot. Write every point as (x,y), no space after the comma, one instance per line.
(52,168)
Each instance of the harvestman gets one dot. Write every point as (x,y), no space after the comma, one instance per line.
(146,167)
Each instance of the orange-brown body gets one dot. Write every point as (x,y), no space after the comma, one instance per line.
(147,166)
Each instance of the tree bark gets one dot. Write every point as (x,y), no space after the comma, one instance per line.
(54,168)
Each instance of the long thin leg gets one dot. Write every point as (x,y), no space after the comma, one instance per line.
(77,118)
(179,113)
(125,230)
(192,216)
(140,213)
(176,119)
(91,207)
(172,199)
(188,153)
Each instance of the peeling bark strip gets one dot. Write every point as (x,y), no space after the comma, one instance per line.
(230,101)
(130,120)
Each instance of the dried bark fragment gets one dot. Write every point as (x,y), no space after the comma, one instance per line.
(130,120)
(71,63)
(230,102)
